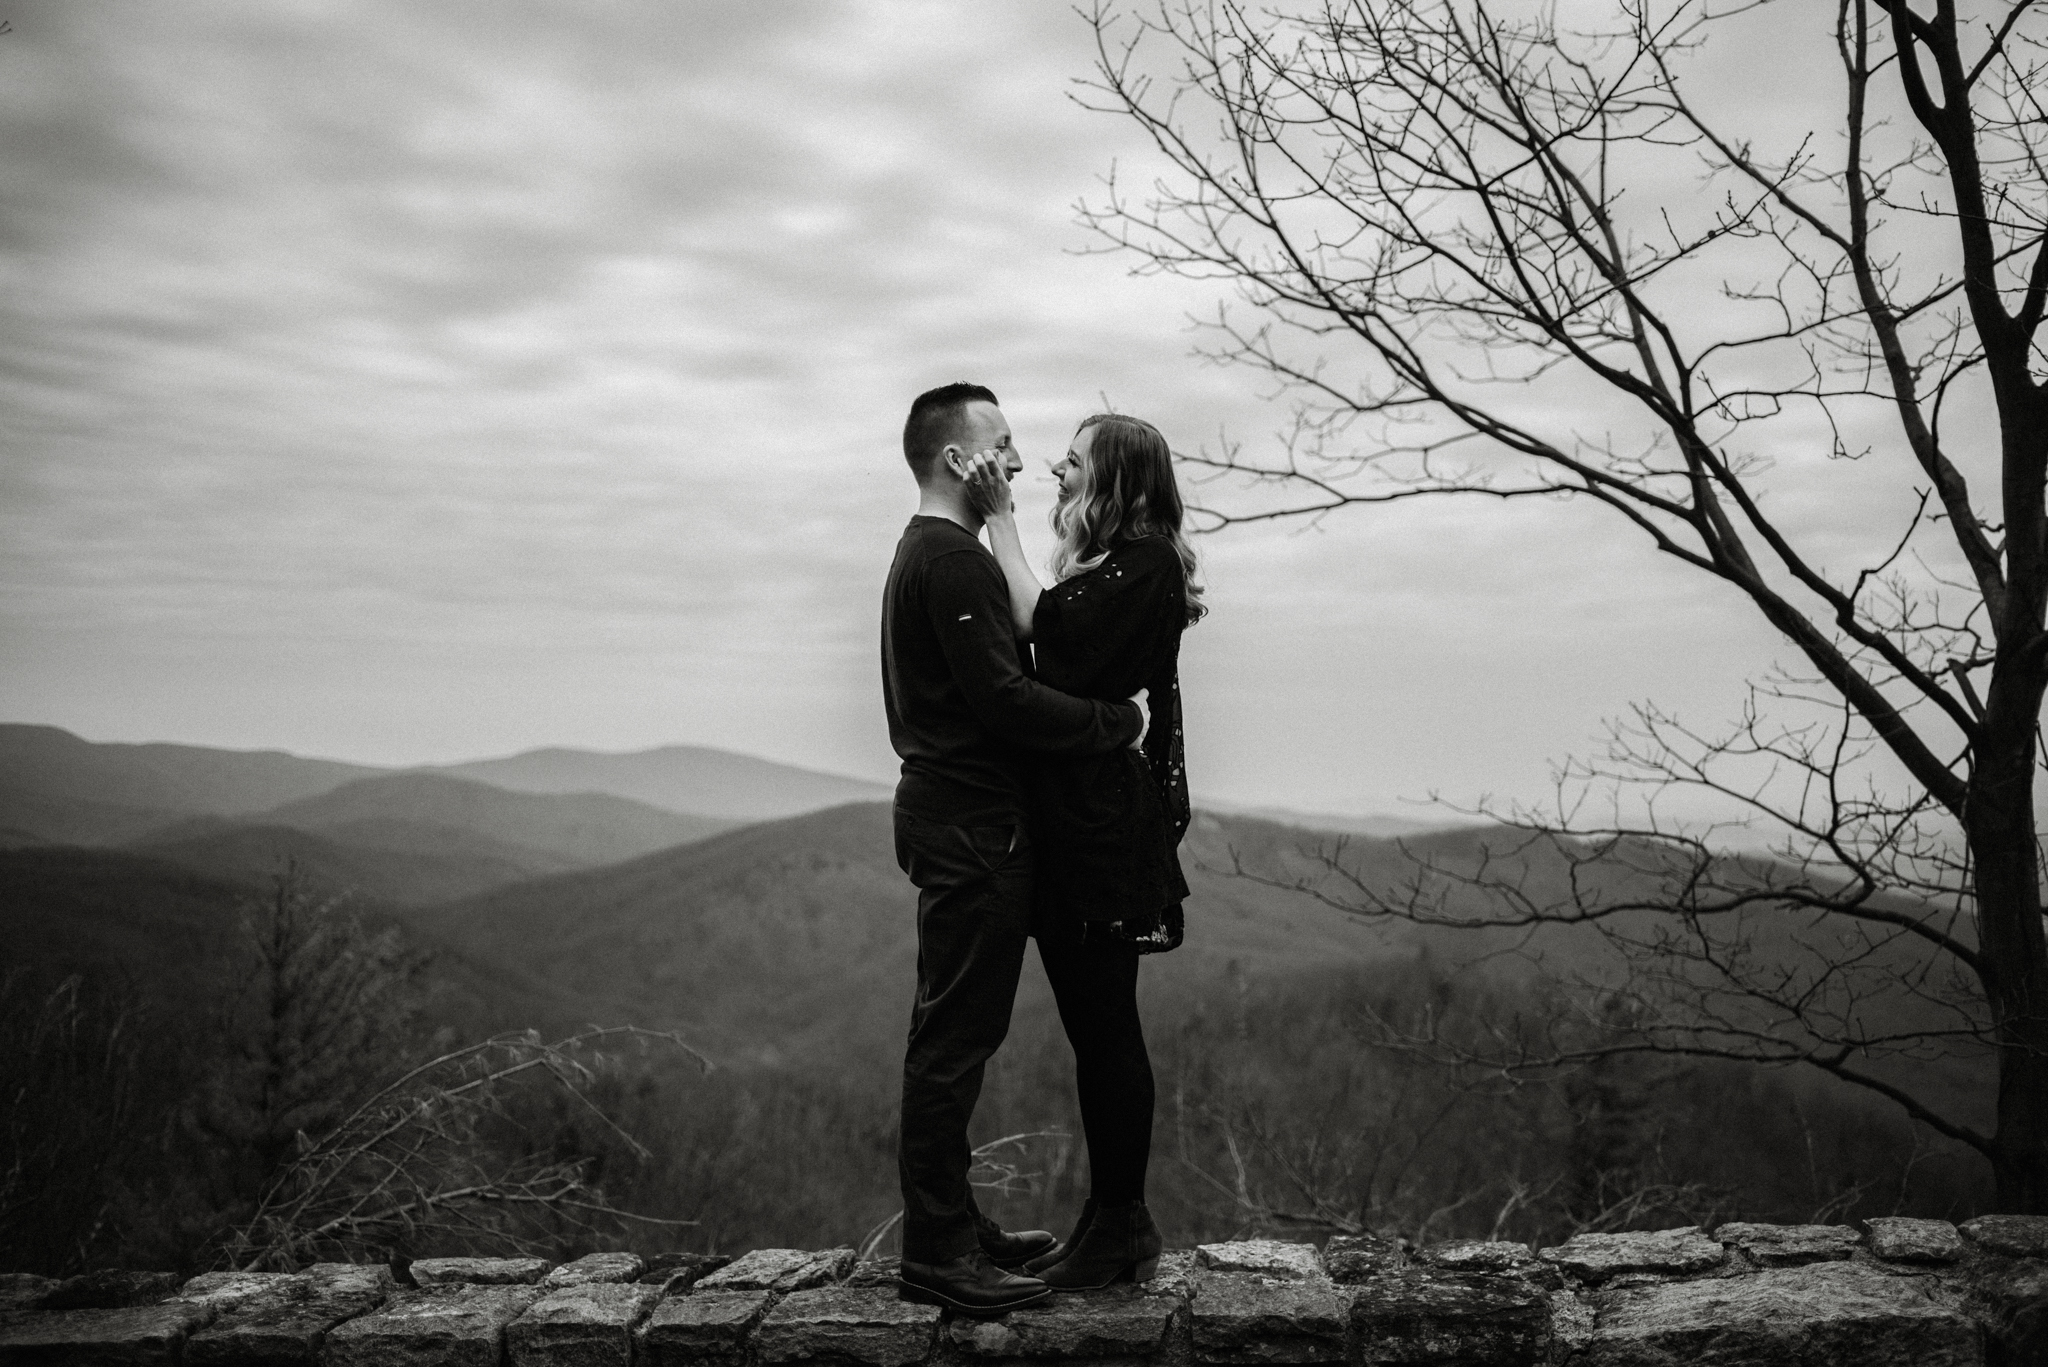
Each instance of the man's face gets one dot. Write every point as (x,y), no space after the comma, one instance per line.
(984,428)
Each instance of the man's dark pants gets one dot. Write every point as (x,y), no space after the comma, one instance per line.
(973,919)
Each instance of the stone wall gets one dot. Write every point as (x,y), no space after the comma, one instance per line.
(1914,1293)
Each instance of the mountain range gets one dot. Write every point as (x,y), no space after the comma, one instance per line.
(769,921)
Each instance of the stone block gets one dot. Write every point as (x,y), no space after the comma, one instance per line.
(595,1267)
(350,1279)
(1175,1276)
(680,1271)
(1899,1240)
(589,1324)
(1667,1252)
(438,1326)
(2011,1301)
(2013,1236)
(1242,1317)
(1474,1320)
(1351,1258)
(702,1327)
(872,1272)
(22,1291)
(1820,1315)
(287,1329)
(1789,1245)
(479,1271)
(234,1290)
(112,1290)
(122,1336)
(847,1327)
(780,1269)
(1477,1255)
(1118,1327)
(1266,1257)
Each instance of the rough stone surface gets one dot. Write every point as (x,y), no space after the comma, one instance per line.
(233,1290)
(872,1272)
(680,1271)
(1351,1258)
(479,1271)
(589,1324)
(2014,1236)
(286,1330)
(350,1279)
(112,1290)
(439,1326)
(869,1326)
(20,1291)
(702,1327)
(1242,1317)
(597,1267)
(780,1269)
(1789,1245)
(124,1336)
(1571,1325)
(1175,1277)
(1121,1325)
(2012,1302)
(1899,1240)
(1477,1255)
(1474,1320)
(1596,1257)
(1267,1257)
(1819,1315)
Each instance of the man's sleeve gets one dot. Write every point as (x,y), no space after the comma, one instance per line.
(970,612)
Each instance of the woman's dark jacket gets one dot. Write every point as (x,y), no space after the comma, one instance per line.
(1106,826)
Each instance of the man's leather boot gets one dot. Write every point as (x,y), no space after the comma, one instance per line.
(1058,1251)
(970,1284)
(1011,1251)
(1121,1244)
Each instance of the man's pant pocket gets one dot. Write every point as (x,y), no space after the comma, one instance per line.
(935,854)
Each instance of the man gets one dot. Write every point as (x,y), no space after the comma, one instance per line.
(961,707)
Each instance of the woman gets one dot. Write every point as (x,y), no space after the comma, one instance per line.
(1107,884)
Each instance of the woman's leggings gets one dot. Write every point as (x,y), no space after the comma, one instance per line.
(1096,986)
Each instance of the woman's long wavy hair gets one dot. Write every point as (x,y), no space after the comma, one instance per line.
(1123,490)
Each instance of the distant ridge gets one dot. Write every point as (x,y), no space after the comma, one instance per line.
(49,765)
(59,788)
(1380,827)
(416,811)
(682,778)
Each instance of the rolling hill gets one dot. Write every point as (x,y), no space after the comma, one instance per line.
(57,786)
(161,930)
(682,778)
(448,864)
(796,938)
(416,812)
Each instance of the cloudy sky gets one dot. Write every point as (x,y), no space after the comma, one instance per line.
(417,380)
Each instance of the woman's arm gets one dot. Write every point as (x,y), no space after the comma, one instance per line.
(989,491)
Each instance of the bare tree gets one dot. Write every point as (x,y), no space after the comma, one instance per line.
(425,1158)
(1450,227)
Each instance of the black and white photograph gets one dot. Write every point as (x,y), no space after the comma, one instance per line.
(1043,683)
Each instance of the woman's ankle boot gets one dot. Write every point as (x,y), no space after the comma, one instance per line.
(1120,1244)
(1059,1250)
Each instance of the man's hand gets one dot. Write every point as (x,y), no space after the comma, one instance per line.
(1144,718)
(988,485)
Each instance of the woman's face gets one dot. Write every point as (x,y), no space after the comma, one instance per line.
(1067,469)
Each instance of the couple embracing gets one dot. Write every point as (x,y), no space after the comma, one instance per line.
(1042,798)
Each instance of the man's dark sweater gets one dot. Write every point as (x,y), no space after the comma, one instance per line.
(961,706)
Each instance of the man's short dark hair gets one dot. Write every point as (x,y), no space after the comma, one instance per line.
(935,420)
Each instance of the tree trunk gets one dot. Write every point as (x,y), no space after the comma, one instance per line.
(2000,826)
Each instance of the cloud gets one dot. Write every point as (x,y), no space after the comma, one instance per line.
(411,380)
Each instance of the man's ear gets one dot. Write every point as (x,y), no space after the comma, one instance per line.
(952,457)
